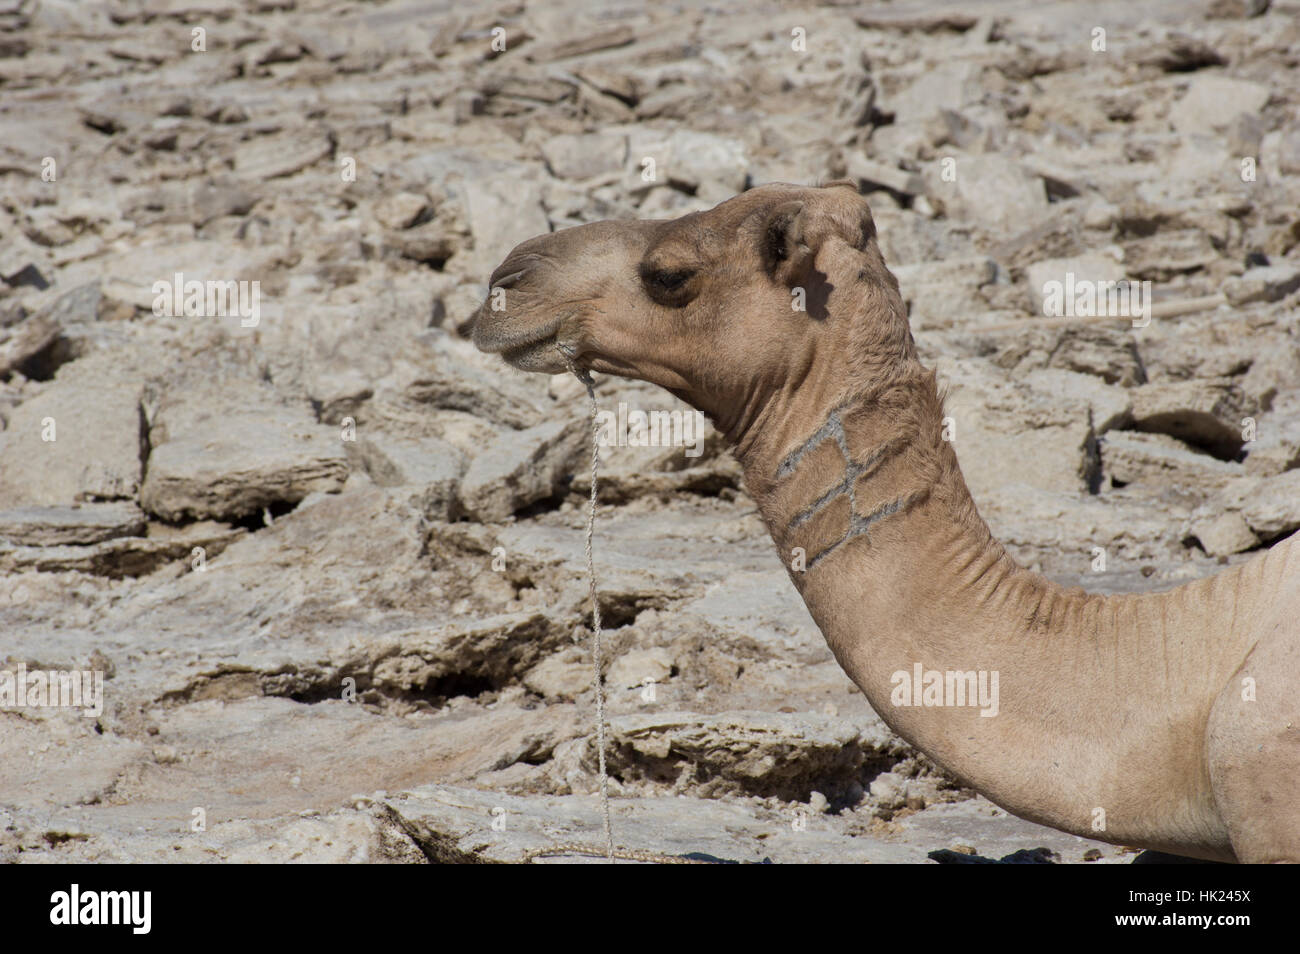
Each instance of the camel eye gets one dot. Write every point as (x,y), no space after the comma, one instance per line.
(666,283)
(670,281)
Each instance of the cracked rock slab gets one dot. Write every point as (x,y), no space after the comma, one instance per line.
(24,341)
(72,442)
(1130,457)
(1207,413)
(1269,505)
(774,754)
(244,463)
(521,468)
(122,556)
(78,524)
(430,468)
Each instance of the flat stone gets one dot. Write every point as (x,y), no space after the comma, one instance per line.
(1266,283)
(24,341)
(572,156)
(948,85)
(243,464)
(1060,530)
(121,557)
(430,243)
(530,87)
(624,484)
(1276,447)
(882,175)
(430,467)
(1166,254)
(942,293)
(502,213)
(80,524)
(926,21)
(78,306)
(23,263)
(1207,413)
(495,648)
(401,210)
(995,193)
(751,753)
(1097,271)
(1105,352)
(1109,406)
(1212,101)
(609,81)
(1180,53)
(271,157)
(1269,505)
(587,42)
(520,468)
(640,668)
(94,453)
(688,160)
(566,675)
(971,272)
(1223,534)
(992,417)
(445,382)
(1130,458)
(1238,9)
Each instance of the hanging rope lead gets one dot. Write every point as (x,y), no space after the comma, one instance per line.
(577,848)
(596,632)
(595,624)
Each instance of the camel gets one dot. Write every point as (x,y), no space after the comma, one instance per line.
(1168,721)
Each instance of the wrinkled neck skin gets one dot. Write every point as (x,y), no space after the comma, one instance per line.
(1090,721)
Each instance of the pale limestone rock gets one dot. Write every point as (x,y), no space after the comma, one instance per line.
(1224,535)
(521,468)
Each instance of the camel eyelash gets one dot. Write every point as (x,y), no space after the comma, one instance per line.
(668,281)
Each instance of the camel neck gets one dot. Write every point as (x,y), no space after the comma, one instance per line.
(871,516)
(829,479)
(993,671)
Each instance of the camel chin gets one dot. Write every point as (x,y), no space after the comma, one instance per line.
(541,357)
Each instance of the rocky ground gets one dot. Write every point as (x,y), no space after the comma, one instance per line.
(331,562)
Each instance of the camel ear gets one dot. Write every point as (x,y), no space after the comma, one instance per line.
(785,251)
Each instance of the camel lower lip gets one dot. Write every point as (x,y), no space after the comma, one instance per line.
(539,355)
(508,348)
(519,350)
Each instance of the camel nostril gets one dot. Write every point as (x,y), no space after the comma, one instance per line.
(509,279)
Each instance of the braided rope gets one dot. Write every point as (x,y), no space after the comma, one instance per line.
(573,847)
(596,851)
(596,650)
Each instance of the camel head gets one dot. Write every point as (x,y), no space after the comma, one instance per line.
(780,286)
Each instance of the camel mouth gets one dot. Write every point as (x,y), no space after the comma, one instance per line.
(542,355)
(525,348)
(497,333)
(535,350)
(491,341)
